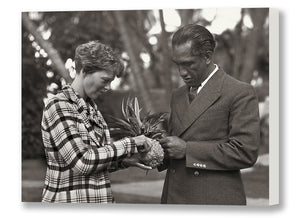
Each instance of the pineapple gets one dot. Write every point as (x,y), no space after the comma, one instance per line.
(133,125)
(155,156)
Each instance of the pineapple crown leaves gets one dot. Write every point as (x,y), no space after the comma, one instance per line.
(131,111)
(132,123)
(120,125)
(151,122)
(155,118)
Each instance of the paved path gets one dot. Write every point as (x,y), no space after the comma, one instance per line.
(262,160)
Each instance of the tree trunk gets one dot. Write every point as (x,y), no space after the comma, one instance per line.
(136,69)
(238,47)
(141,35)
(258,17)
(186,16)
(166,63)
(57,62)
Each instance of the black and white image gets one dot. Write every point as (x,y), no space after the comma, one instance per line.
(164,106)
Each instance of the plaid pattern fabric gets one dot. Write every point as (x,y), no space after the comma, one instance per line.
(78,150)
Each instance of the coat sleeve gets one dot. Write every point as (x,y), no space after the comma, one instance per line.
(240,150)
(60,128)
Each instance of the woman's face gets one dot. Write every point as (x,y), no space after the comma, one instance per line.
(97,83)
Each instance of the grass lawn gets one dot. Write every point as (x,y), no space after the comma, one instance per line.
(32,194)
(135,199)
(134,174)
(256,182)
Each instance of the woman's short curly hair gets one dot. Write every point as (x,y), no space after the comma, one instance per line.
(95,56)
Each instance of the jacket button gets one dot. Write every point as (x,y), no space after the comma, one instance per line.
(173,170)
(196,173)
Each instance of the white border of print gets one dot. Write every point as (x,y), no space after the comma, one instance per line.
(11,113)
(274,107)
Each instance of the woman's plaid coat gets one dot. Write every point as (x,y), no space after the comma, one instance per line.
(78,150)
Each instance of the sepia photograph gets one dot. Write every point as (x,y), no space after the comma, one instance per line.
(153,106)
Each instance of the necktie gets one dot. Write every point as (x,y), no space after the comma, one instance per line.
(193,93)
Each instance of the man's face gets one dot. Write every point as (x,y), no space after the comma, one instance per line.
(97,83)
(192,69)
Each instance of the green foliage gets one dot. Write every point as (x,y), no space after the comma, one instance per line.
(34,84)
(69,29)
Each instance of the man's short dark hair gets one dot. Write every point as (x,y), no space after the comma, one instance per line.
(95,56)
(202,40)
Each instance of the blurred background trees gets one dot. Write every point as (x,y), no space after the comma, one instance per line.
(142,38)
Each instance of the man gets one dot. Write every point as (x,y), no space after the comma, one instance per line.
(214,127)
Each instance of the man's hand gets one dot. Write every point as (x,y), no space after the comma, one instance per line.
(173,146)
(133,161)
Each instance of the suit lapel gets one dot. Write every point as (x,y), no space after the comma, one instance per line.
(180,103)
(209,94)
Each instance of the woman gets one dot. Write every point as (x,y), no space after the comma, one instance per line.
(76,138)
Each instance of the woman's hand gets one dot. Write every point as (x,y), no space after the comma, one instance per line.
(133,161)
(143,143)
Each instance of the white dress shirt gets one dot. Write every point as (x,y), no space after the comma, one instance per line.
(206,80)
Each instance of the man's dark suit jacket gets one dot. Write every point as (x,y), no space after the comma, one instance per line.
(221,128)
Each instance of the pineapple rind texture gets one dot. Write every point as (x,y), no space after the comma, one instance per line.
(155,156)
